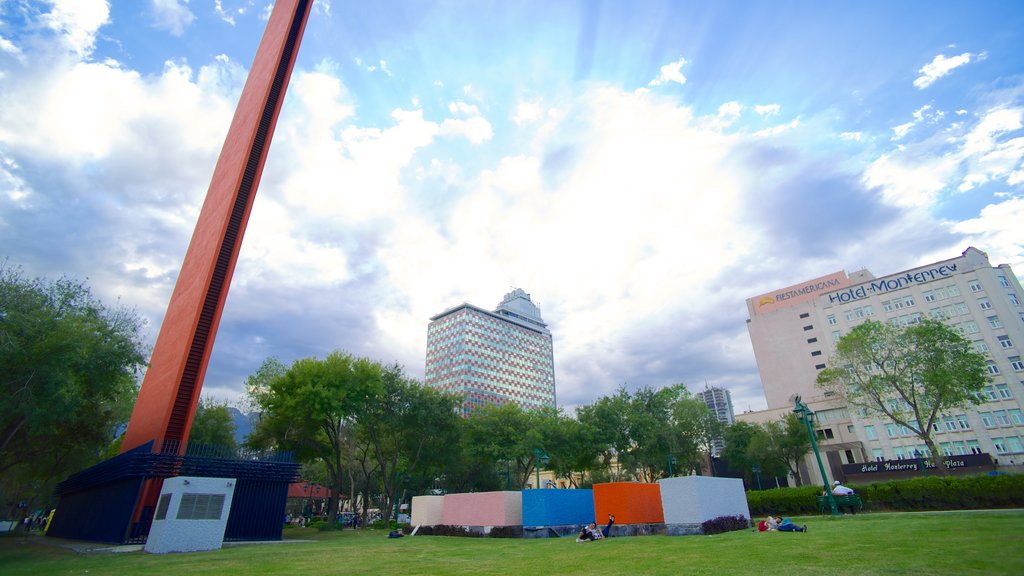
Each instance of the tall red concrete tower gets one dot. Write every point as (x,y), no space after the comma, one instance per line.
(170,390)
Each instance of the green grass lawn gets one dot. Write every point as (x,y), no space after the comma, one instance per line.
(926,543)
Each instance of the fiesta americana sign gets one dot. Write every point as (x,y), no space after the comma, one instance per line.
(883,285)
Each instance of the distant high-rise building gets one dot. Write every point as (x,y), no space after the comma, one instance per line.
(720,402)
(493,358)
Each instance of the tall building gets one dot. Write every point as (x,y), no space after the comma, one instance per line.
(719,400)
(794,330)
(493,357)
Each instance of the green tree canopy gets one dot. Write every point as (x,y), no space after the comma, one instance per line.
(68,377)
(311,407)
(909,375)
(213,425)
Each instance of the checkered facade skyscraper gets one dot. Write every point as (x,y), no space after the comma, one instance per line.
(493,358)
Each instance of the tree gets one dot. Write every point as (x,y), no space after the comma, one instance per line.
(408,427)
(506,437)
(213,425)
(68,377)
(908,374)
(310,408)
(738,439)
(697,427)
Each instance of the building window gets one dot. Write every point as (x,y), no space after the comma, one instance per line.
(869,311)
(1018,366)
(974,285)
(897,453)
(929,296)
(946,448)
(808,327)
(960,447)
(805,315)
(961,309)
(984,304)
(812,340)
(836,334)
(949,423)
(869,432)
(877,454)
(1013,299)
(952,290)
(986,419)
(887,305)
(980,347)
(961,420)
(818,353)
(974,446)
(936,314)
(849,315)
(994,321)
(161,507)
(1000,445)
(1013,443)
(992,368)
(1001,419)
(1016,417)
(819,366)
(971,327)
(1003,281)
(890,430)
(831,320)
(1004,392)
(1005,342)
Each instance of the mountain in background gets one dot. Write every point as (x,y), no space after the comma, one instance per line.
(243,424)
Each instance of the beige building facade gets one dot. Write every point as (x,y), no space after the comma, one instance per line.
(794,330)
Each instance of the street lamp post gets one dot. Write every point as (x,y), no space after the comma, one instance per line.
(757,472)
(540,457)
(805,414)
(671,461)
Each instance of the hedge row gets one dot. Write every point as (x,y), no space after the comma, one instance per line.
(931,493)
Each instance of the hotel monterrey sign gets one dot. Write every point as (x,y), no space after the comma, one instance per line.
(837,288)
(883,285)
(963,461)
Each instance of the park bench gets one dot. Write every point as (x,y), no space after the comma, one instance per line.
(853,502)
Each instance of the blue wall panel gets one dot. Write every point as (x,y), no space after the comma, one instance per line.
(554,507)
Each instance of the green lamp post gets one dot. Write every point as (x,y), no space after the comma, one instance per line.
(540,458)
(671,460)
(806,415)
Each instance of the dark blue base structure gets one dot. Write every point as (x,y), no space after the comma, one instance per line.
(98,504)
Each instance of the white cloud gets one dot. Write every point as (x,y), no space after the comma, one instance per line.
(998,229)
(527,112)
(8,46)
(777,130)
(907,181)
(223,14)
(730,109)
(852,136)
(939,67)
(172,16)
(671,72)
(900,131)
(767,109)
(76,22)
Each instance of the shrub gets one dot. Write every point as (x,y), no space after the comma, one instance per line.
(502,532)
(725,524)
(923,493)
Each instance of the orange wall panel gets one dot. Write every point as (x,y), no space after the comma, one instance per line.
(630,502)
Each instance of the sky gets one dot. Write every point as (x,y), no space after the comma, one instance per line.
(640,168)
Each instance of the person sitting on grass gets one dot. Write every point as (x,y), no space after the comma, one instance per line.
(785,525)
(590,533)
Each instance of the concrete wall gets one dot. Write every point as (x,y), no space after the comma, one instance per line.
(630,502)
(483,509)
(695,499)
(427,510)
(174,535)
(553,507)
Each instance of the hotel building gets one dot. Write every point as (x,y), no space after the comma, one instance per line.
(719,401)
(493,357)
(794,330)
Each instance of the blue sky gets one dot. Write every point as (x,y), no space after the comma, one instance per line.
(640,168)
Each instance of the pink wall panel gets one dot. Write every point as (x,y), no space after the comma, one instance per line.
(483,509)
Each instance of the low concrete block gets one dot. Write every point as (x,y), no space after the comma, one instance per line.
(427,510)
(191,515)
(483,509)
(696,499)
(630,502)
(555,507)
